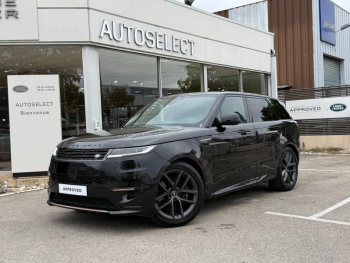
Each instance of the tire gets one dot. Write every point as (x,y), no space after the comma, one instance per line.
(287,172)
(180,196)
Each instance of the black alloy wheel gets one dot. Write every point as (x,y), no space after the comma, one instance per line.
(180,196)
(287,172)
(289,169)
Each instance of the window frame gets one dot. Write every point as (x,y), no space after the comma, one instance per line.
(247,110)
(250,109)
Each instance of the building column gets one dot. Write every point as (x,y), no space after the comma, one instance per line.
(240,81)
(273,92)
(159,77)
(92,89)
(204,78)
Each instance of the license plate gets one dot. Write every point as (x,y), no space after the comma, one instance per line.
(72,189)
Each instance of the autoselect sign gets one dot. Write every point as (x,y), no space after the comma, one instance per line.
(35,121)
(121,32)
(319,108)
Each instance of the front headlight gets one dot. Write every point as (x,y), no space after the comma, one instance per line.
(55,152)
(130,151)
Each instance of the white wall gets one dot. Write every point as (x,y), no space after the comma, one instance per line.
(255,15)
(341,50)
(217,40)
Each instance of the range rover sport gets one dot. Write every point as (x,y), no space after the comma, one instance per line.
(175,153)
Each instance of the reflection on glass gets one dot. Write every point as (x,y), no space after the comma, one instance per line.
(182,110)
(66,61)
(261,109)
(128,82)
(254,83)
(180,77)
(223,79)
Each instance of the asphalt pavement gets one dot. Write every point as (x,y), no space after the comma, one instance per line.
(309,224)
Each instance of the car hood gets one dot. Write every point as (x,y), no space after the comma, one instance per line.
(134,137)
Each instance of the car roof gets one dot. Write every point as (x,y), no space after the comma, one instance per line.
(221,93)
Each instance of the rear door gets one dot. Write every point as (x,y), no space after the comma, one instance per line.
(234,162)
(269,133)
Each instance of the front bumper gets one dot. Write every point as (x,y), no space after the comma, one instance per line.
(117,186)
(119,212)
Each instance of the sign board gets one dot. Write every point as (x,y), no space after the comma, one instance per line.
(18,20)
(327,21)
(319,108)
(35,122)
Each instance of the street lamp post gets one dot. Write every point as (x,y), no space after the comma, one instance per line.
(344,27)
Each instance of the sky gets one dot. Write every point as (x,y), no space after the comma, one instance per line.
(217,5)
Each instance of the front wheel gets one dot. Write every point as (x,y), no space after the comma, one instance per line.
(287,172)
(180,196)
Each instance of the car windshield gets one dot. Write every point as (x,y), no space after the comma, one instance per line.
(175,110)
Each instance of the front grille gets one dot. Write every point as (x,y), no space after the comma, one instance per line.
(79,173)
(80,179)
(83,201)
(81,154)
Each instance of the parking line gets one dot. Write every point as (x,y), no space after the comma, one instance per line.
(318,170)
(328,210)
(310,218)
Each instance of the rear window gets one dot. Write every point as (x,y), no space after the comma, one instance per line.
(261,109)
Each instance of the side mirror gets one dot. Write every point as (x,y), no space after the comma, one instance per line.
(231,118)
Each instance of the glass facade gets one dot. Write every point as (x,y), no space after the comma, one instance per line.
(254,82)
(128,83)
(222,79)
(66,61)
(180,77)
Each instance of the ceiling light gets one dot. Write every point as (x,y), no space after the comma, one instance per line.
(135,81)
(141,84)
(116,81)
(6,71)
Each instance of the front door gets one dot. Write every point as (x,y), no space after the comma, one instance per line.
(234,162)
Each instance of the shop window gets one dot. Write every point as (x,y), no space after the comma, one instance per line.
(223,79)
(254,83)
(180,77)
(66,61)
(128,83)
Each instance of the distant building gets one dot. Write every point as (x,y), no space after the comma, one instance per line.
(311,49)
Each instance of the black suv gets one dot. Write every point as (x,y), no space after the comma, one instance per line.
(175,153)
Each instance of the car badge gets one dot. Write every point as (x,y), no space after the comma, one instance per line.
(97,156)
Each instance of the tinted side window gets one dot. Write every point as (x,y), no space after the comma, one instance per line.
(261,109)
(233,105)
(280,110)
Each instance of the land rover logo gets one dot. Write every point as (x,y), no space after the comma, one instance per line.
(20,89)
(338,107)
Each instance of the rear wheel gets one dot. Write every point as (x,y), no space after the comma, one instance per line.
(180,196)
(287,171)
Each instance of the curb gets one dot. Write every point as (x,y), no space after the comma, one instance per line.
(338,154)
(3,195)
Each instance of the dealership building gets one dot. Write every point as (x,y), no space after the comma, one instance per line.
(81,66)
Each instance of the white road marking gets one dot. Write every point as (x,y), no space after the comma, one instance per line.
(310,218)
(328,210)
(317,170)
